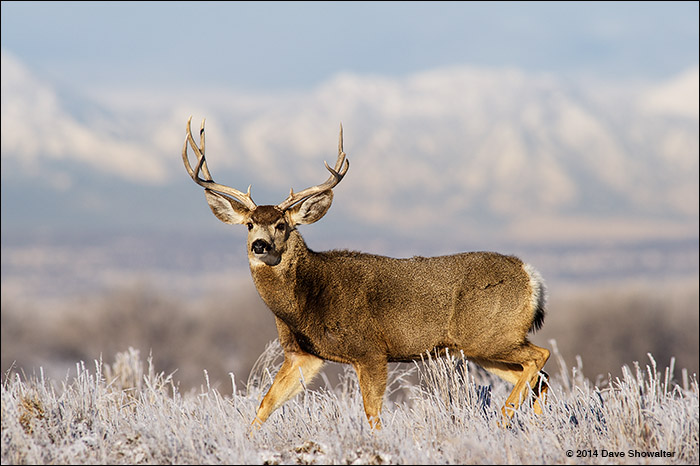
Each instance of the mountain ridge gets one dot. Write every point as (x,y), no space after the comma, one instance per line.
(496,149)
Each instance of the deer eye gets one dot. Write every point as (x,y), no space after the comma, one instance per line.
(280,226)
(250,226)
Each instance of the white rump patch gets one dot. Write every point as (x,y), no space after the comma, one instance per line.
(538,287)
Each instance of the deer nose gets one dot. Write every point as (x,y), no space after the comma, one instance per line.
(261,246)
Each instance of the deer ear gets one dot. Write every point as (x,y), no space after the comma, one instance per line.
(312,209)
(226,209)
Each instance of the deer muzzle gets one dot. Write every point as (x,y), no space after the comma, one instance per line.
(261,246)
(263,252)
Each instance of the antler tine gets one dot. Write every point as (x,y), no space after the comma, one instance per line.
(337,174)
(205,169)
(208,182)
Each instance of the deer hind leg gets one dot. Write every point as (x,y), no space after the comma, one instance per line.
(287,382)
(532,359)
(372,377)
(539,391)
(523,368)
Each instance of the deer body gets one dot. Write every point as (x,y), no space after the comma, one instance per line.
(367,310)
(332,300)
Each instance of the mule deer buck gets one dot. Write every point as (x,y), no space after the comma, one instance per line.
(368,310)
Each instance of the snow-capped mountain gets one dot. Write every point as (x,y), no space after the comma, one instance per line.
(464,151)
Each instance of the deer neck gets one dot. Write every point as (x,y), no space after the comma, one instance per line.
(277,284)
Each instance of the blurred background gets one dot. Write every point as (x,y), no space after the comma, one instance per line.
(565,133)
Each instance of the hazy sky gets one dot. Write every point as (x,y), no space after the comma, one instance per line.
(78,78)
(291,45)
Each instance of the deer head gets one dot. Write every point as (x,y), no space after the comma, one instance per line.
(269,226)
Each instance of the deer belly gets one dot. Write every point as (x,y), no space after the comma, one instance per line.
(408,341)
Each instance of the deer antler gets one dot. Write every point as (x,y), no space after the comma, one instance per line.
(337,174)
(207,182)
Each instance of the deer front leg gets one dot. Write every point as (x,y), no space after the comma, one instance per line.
(287,382)
(372,377)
